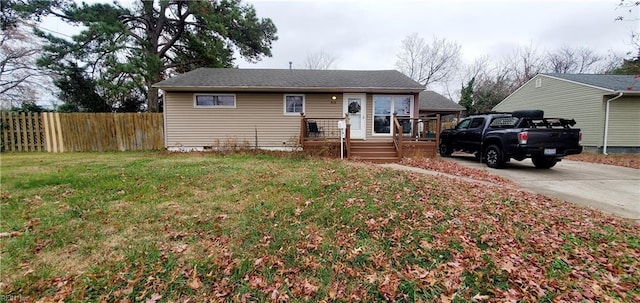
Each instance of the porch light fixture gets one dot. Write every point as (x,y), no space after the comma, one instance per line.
(333,99)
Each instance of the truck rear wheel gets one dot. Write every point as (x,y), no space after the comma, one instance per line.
(544,162)
(494,156)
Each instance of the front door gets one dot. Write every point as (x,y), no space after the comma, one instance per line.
(354,105)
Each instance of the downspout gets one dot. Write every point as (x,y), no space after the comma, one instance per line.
(606,123)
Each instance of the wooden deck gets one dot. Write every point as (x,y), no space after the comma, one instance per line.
(316,138)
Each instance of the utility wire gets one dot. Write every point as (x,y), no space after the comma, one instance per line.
(49,30)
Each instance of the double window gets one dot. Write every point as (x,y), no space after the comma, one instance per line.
(214,100)
(383,109)
(293,104)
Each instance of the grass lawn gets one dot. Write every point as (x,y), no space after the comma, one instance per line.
(159,227)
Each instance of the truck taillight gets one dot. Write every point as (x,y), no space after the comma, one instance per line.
(580,138)
(523,137)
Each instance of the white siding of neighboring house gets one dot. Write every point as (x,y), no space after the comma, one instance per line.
(563,99)
(624,122)
(188,127)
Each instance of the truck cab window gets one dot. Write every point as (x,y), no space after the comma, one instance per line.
(463,124)
(476,122)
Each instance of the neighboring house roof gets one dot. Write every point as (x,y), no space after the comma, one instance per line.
(607,82)
(291,80)
(432,101)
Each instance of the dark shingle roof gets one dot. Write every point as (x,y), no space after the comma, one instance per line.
(291,80)
(430,100)
(608,82)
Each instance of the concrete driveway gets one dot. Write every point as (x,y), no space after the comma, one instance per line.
(608,188)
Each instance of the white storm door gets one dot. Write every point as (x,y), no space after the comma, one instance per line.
(355,105)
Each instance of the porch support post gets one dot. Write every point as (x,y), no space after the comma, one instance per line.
(438,128)
(400,154)
(347,135)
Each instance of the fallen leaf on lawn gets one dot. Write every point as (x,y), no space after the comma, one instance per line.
(479,298)
(258,262)
(309,289)
(389,286)
(180,248)
(10,234)
(194,282)
(154,298)
(507,266)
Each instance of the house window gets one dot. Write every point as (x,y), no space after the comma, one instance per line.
(293,104)
(383,109)
(538,83)
(208,100)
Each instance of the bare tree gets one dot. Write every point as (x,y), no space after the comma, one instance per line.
(571,60)
(20,79)
(428,63)
(319,60)
(630,8)
(523,64)
(609,62)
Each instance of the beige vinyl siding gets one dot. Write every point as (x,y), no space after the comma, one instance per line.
(563,99)
(624,122)
(255,113)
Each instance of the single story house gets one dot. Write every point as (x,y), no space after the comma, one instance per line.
(605,107)
(286,108)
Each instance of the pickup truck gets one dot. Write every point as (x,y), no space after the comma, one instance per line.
(498,137)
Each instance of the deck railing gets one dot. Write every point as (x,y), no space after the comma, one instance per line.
(410,132)
(319,129)
(421,128)
(397,132)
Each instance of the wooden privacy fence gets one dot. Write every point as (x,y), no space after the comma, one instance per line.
(60,132)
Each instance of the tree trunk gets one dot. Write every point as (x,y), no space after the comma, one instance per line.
(152,98)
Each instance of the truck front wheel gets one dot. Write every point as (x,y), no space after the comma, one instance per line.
(494,156)
(544,162)
(445,150)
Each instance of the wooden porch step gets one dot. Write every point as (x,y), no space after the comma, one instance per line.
(377,152)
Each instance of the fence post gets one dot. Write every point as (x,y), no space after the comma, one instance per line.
(5,130)
(59,128)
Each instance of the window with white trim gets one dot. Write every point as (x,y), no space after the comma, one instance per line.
(384,106)
(214,100)
(293,104)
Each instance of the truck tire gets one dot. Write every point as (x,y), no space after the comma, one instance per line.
(544,162)
(494,156)
(445,150)
(528,113)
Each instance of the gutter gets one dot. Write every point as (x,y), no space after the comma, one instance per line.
(606,122)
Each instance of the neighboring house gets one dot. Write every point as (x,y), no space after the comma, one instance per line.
(264,107)
(432,102)
(605,107)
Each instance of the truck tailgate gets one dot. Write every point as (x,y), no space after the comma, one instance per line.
(553,138)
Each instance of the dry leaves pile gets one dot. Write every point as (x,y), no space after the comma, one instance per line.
(451,168)
(625,160)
